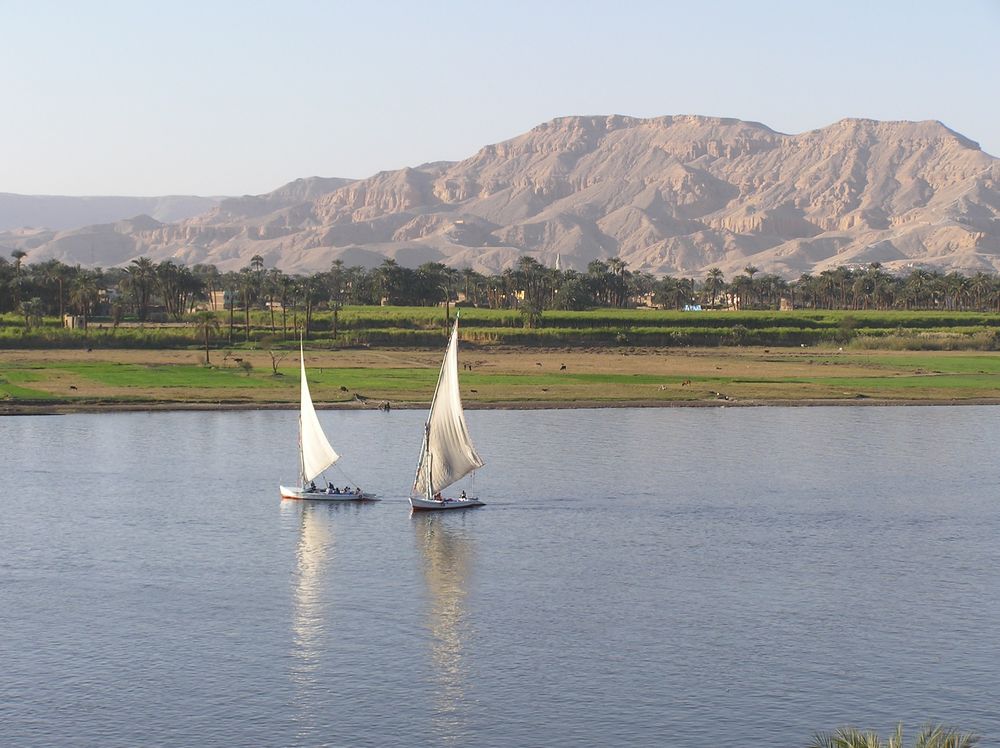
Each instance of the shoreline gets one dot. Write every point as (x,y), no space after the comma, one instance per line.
(71,408)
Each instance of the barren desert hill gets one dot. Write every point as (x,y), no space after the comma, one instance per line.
(673,194)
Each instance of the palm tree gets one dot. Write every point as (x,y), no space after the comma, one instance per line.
(450,276)
(139,282)
(55,272)
(285,288)
(206,324)
(83,294)
(742,289)
(714,280)
(248,284)
(616,266)
(208,275)
(472,280)
(32,312)
(336,292)
(18,255)
(751,286)
(932,736)
(388,275)
(257,268)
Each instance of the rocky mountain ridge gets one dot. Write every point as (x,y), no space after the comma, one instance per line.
(669,195)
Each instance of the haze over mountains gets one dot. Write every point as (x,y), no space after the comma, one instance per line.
(669,195)
(65,212)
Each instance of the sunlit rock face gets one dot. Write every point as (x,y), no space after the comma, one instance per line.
(670,195)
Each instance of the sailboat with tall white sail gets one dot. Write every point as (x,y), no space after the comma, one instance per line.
(447,453)
(316,455)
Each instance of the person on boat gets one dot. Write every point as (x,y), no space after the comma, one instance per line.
(463,494)
(329,489)
(437,496)
(357,491)
(336,490)
(312,485)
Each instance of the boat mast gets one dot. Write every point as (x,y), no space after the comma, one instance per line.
(302,454)
(426,457)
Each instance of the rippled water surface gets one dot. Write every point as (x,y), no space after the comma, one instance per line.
(691,577)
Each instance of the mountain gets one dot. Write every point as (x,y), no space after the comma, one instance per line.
(677,195)
(61,212)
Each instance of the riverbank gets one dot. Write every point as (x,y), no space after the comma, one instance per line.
(59,381)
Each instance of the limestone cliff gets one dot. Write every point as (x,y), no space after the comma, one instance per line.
(676,195)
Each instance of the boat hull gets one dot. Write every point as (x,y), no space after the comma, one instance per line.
(419,504)
(302,494)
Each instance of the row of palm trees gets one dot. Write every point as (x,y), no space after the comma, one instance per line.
(146,290)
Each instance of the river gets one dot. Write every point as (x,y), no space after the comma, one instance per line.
(642,577)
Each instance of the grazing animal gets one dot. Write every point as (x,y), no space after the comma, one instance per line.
(562,367)
(538,363)
(344,389)
(545,389)
(360,398)
(474,392)
(72,386)
(685,383)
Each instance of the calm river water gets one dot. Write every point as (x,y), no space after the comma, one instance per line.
(688,577)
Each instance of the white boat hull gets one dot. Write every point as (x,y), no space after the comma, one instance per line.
(307,495)
(431,504)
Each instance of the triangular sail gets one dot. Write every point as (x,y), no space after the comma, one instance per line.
(447,454)
(317,454)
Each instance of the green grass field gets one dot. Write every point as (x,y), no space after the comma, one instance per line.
(68,379)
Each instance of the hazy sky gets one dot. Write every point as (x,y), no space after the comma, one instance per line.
(229,98)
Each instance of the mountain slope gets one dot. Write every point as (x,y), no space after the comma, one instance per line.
(671,195)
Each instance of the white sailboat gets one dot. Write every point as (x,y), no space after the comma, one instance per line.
(316,455)
(447,453)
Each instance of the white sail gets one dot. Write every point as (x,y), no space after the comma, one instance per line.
(448,453)
(316,452)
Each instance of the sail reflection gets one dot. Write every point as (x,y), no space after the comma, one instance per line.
(313,557)
(447,560)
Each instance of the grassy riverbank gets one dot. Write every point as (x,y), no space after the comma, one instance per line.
(60,380)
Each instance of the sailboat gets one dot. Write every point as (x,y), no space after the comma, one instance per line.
(316,455)
(447,453)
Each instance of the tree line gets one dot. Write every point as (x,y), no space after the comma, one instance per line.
(145,290)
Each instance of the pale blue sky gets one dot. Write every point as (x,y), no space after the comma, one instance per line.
(229,98)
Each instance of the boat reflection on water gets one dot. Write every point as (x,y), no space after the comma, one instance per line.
(311,602)
(447,556)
